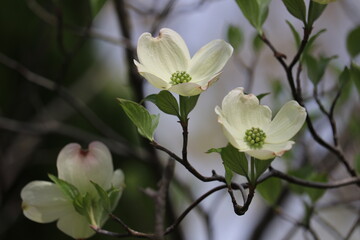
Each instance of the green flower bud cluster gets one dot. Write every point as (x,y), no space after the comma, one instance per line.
(255,137)
(180,77)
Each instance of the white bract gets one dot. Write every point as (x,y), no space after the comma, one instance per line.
(248,125)
(165,62)
(45,202)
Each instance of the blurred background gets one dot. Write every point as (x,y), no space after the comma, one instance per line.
(63,63)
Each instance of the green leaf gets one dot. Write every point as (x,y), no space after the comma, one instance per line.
(235,37)
(68,189)
(214,150)
(114,195)
(353,42)
(255,11)
(270,190)
(104,198)
(311,41)
(296,8)
(234,160)
(261,166)
(315,193)
(295,34)
(150,98)
(96,6)
(187,104)
(257,43)
(167,103)
(145,122)
(355,75)
(316,67)
(357,164)
(251,11)
(315,11)
(302,173)
(82,205)
(228,175)
(262,95)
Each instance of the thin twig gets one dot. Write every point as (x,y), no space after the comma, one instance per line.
(320,185)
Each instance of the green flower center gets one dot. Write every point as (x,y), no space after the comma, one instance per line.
(255,137)
(180,77)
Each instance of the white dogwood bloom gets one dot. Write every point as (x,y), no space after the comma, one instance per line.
(250,128)
(45,202)
(165,62)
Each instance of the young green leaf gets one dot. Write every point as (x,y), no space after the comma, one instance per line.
(68,189)
(235,37)
(295,34)
(315,193)
(104,198)
(257,43)
(355,75)
(167,103)
(235,160)
(142,119)
(150,98)
(214,150)
(315,11)
(187,104)
(255,12)
(316,67)
(262,95)
(353,42)
(228,175)
(251,10)
(270,190)
(261,166)
(296,8)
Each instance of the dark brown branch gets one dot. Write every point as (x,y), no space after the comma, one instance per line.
(320,185)
(288,70)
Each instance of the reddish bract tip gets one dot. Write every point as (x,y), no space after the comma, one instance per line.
(84,152)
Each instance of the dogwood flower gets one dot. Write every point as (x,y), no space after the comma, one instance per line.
(165,62)
(74,200)
(248,125)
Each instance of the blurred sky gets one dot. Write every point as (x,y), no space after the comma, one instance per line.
(198,27)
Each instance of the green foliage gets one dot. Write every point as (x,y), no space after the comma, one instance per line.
(261,166)
(357,164)
(228,175)
(295,34)
(68,189)
(355,75)
(187,104)
(235,37)
(270,189)
(353,42)
(255,11)
(145,122)
(262,95)
(315,11)
(234,160)
(257,43)
(307,173)
(315,193)
(96,6)
(167,103)
(296,8)
(316,67)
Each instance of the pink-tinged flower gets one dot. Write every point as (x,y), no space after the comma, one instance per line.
(79,172)
(165,62)
(248,125)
